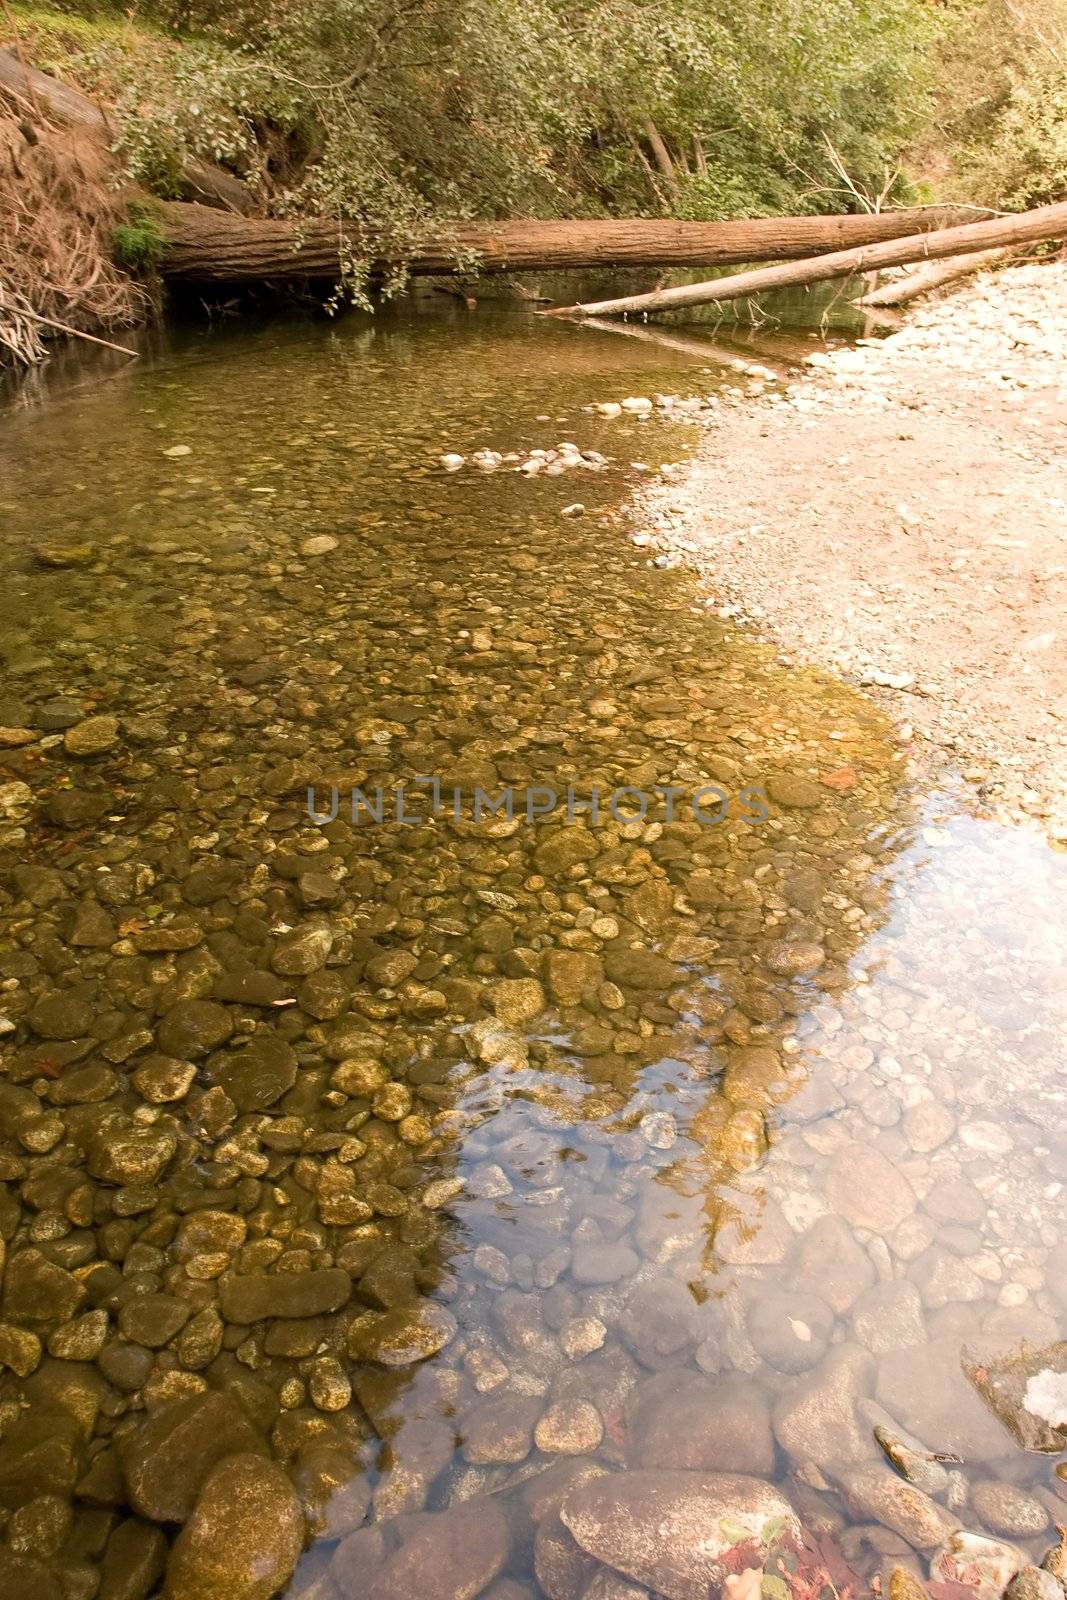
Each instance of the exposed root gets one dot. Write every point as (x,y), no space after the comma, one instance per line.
(57,219)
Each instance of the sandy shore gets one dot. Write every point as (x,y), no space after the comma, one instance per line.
(898,514)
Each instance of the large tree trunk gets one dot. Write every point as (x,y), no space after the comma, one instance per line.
(204,246)
(72,109)
(1028,227)
(903,290)
(661,156)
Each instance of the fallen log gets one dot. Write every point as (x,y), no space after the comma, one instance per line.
(205,246)
(902,291)
(72,109)
(1026,227)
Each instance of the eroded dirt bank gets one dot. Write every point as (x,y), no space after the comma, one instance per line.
(900,513)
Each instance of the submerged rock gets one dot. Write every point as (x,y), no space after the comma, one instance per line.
(402,1336)
(865,1188)
(166,1460)
(447,1555)
(670,1530)
(244,1537)
(880,1495)
(817,1419)
(250,1297)
(1027,1390)
(682,1421)
(986,1565)
(93,737)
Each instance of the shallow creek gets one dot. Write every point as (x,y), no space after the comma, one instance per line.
(484,1195)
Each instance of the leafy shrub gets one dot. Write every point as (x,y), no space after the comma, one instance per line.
(999,127)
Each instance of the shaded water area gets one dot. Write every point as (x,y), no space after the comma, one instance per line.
(552,1206)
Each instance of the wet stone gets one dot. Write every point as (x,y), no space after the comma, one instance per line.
(571,974)
(603,1263)
(24,1575)
(301,952)
(152,1320)
(258,1075)
(449,1555)
(200,1340)
(889,1317)
(1008,1510)
(752,1233)
(928,1125)
(816,1419)
(569,1429)
(639,969)
(93,737)
(989,1564)
(162,1079)
(167,1459)
(252,988)
(865,1188)
(670,1530)
(400,1337)
(1025,1387)
(61,1016)
(1034,1583)
(132,1155)
(328,1385)
(41,1453)
(133,1561)
(955,1199)
(252,1297)
(790,1331)
(84,1086)
(879,1495)
(211,881)
(40,1527)
(38,1291)
(92,927)
(244,1536)
(794,958)
(193,1027)
(81,1339)
(699,1424)
(924,1388)
(499,1429)
(125,1366)
(516,1000)
(389,969)
(793,791)
(20,1350)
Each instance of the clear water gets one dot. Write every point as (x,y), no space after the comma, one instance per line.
(696,1140)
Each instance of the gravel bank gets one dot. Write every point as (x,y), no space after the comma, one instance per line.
(899,512)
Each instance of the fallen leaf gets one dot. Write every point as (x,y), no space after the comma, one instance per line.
(840,778)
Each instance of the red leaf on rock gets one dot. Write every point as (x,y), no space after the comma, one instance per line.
(741,1557)
(840,778)
(950,1589)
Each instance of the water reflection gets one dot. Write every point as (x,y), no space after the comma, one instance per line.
(459,1163)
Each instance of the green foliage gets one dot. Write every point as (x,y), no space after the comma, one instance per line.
(1001,113)
(138,242)
(394,114)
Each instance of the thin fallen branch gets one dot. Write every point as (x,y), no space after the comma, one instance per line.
(1027,227)
(903,290)
(76,333)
